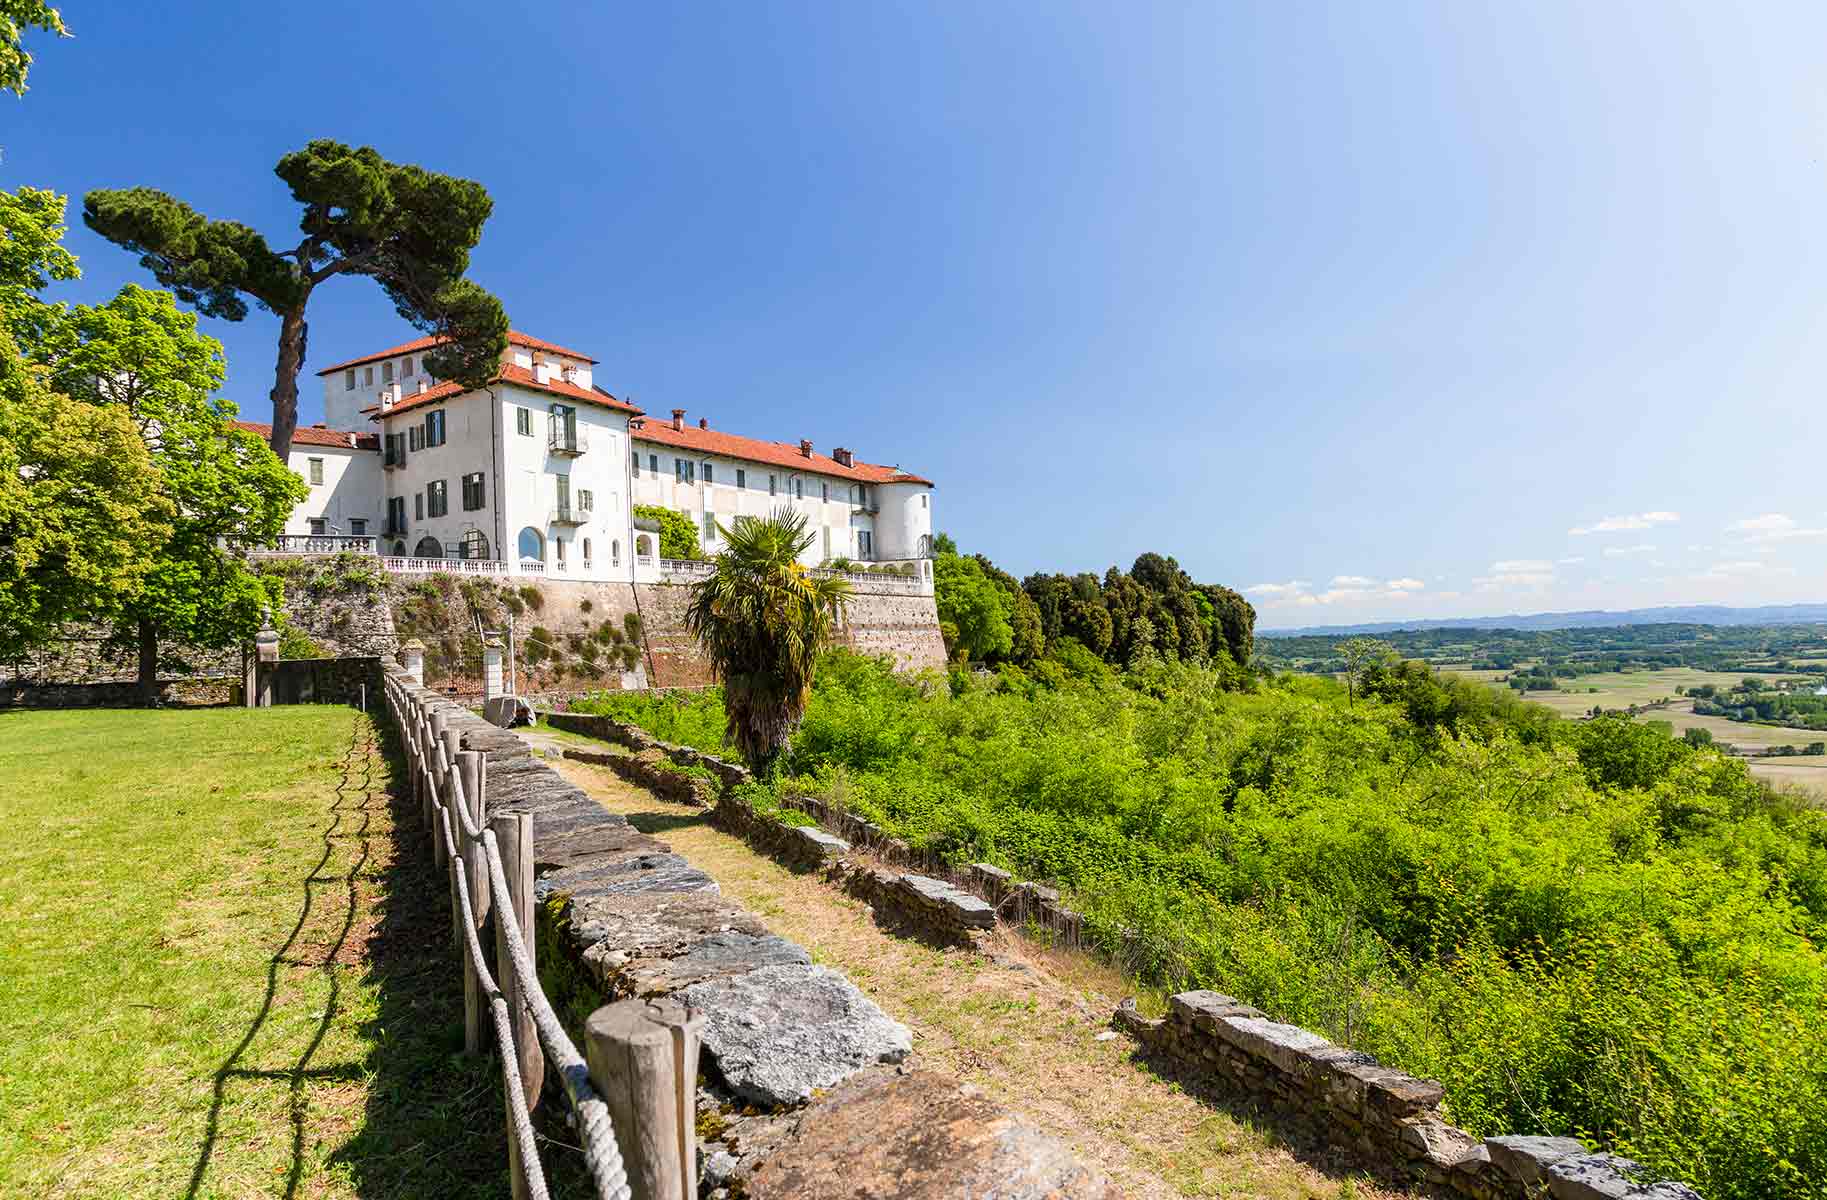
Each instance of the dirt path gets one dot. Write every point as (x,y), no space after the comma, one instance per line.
(1019,1021)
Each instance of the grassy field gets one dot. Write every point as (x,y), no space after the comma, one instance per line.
(219,977)
(1621,689)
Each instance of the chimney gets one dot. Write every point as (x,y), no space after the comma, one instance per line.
(390,395)
(703,422)
(842,456)
(805,447)
(678,418)
(542,373)
(424,386)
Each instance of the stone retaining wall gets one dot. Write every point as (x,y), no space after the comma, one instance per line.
(1348,1099)
(192,692)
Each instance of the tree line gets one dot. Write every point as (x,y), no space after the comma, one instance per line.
(1154,611)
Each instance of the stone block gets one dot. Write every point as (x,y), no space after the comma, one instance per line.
(1438,1143)
(1527,1157)
(777,1033)
(1286,1046)
(1374,1089)
(1202,1009)
(1609,1177)
(962,907)
(814,843)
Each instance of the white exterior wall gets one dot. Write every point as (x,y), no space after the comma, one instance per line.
(351,490)
(834,521)
(530,488)
(343,404)
(466,448)
(905,524)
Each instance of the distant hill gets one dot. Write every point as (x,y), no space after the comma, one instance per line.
(1683,614)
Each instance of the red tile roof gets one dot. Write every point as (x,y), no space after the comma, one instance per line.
(515,338)
(783,454)
(317,435)
(519,377)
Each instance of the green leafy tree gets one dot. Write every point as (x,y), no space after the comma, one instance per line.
(973,612)
(1027,640)
(678,532)
(762,619)
(81,512)
(17,16)
(143,357)
(408,229)
(1362,655)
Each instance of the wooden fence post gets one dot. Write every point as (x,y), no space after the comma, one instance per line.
(514,840)
(643,1060)
(468,766)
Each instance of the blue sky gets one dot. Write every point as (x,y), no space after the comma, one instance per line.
(1368,309)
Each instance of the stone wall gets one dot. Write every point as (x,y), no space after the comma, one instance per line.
(1390,1117)
(194,691)
(804,1085)
(351,681)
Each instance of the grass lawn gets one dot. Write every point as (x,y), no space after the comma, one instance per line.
(220,979)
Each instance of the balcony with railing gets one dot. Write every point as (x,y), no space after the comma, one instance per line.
(570,514)
(565,438)
(394,455)
(316,543)
(393,528)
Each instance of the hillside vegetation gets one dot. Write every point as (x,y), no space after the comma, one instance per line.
(1582,928)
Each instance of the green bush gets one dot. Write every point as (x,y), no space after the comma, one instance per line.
(1585,928)
(678,532)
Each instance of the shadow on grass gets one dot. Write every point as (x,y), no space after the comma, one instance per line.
(655,823)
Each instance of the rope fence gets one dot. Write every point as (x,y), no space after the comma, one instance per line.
(640,1075)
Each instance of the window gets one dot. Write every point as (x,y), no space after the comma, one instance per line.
(799,489)
(415,437)
(770,484)
(472,491)
(710,528)
(434,428)
(742,478)
(367,376)
(317,526)
(684,471)
(396,450)
(386,372)
(653,464)
(583,502)
(437,498)
(406,368)
(558,551)
(634,461)
(827,541)
(586,552)
(707,474)
(396,517)
(316,468)
(532,546)
(349,380)
(922,499)
(428,548)
(824,491)
(358,527)
(418,506)
(473,546)
(865,547)
(523,422)
(615,553)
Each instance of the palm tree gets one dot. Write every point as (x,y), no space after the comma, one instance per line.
(762,619)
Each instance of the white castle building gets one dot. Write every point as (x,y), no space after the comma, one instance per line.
(539,473)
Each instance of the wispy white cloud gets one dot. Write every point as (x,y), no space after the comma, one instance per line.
(1775,527)
(1742,569)
(1300,593)
(1513,573)
(1625,523)
(1627,551)
(1522,566)
(1572,561)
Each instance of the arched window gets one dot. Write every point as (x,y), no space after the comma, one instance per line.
(475,544)
(586,552)
(615,553)
(926,546)
(428,547)
(643,547)
(532,545)
(399,549)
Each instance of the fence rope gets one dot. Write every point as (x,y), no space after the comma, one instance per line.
(602,1155)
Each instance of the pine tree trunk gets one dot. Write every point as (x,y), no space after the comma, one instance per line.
(285,379)
(149,662)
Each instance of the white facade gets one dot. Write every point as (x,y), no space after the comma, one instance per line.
(540,471)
